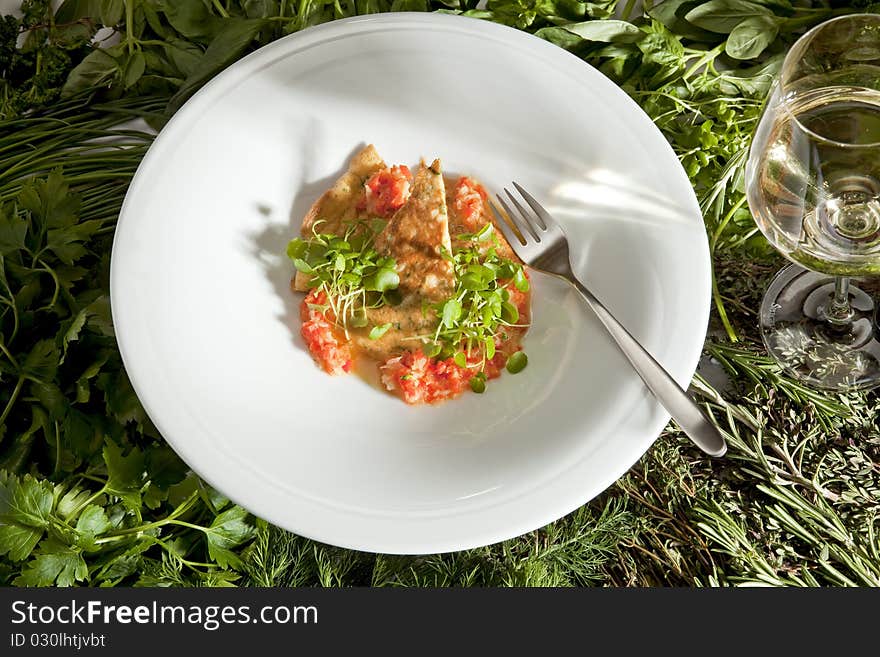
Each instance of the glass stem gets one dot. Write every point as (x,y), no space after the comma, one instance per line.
(839,311)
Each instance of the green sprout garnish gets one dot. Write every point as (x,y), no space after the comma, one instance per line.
(378,331)
(355,278)
(350,271)
(517,362)
(478,383)
(480,308)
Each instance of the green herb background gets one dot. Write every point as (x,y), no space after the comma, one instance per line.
(90,494)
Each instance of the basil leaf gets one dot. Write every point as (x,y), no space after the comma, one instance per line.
(97,69)
(606,31)
(112,11)
(751,37)
(134,69)
(235,35)
(723,16)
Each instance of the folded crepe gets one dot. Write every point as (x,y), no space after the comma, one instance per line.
(339,204)
(417,237)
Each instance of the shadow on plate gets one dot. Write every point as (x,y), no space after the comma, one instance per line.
(269,246)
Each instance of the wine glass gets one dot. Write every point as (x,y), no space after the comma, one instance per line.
(813,186)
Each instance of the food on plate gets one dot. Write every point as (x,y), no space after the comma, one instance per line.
(406,271)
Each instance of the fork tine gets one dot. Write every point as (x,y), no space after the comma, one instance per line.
(527,217)
(547,221)
(509,234)
(516,222)
(524,215)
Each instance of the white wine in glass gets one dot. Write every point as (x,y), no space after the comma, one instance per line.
(813,186)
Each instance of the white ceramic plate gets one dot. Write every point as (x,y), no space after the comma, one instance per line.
(209,331)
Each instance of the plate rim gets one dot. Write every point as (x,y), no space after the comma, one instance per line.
(415,543)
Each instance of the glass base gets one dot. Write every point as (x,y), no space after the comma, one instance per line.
(806,345)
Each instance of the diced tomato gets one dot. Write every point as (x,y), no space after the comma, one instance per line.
(469,199)
(387,190)
(418,379)
(331,353)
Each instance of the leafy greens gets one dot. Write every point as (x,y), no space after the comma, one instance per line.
(91,494)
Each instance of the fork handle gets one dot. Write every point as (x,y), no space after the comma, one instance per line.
(677,402)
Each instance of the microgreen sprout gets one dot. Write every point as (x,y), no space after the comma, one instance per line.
(471,324)
(517,362)
(480,310)
(354,276)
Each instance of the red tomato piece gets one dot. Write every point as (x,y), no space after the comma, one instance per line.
(387,190)
(332,354)
(470,197)
(418,379)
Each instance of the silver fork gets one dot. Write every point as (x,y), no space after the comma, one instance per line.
(544,248)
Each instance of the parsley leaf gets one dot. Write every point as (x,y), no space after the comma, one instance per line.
(125,474)
(92,522)
(25,511)
(228,530)
(13,230)
(55,564)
